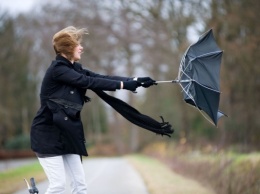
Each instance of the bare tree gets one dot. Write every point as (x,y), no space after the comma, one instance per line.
(238,29)
(16,82)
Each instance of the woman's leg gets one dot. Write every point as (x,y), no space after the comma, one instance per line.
(75,171)
(55,172)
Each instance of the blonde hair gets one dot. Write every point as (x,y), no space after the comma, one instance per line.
(66,40)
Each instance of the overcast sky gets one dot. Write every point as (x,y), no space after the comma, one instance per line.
(17,6)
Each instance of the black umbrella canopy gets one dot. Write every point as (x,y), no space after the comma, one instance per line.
(199,75)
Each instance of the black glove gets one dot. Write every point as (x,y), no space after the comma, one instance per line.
(146,81)
(131,85)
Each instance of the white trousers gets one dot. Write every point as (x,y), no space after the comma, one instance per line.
(56,169)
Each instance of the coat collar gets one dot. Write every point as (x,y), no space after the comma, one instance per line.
(61,58)
(75,65)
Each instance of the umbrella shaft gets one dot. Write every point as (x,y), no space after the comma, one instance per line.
(173,81)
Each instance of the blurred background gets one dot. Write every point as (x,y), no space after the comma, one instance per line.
(135,38)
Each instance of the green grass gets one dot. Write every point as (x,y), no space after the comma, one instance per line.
(12,180)
(161,179)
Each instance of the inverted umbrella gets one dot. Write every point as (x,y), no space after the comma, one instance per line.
(199,76)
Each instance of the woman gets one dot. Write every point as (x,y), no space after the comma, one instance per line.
(57,135)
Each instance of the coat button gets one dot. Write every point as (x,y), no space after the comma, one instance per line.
(65,118)
(71,92)
(66,107)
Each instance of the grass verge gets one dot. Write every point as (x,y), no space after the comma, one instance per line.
(224,171)
(13,180)
(161,179)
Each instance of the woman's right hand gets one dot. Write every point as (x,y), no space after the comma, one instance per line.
(131,85)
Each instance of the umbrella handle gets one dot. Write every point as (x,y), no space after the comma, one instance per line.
(32,189)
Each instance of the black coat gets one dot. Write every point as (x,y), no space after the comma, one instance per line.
(57,127)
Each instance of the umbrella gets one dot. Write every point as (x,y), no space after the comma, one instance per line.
(199,76)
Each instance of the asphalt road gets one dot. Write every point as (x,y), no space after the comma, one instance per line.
(11,163)
(106,176)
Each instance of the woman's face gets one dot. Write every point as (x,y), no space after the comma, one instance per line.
(77,53)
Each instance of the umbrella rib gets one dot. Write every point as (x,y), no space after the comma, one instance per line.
(184,69)
(185,89)
(206,86)
(209,53)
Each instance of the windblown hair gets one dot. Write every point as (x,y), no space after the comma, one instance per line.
(66,40)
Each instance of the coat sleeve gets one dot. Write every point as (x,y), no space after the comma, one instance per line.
(68,75)
(118,78)
(96,75)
